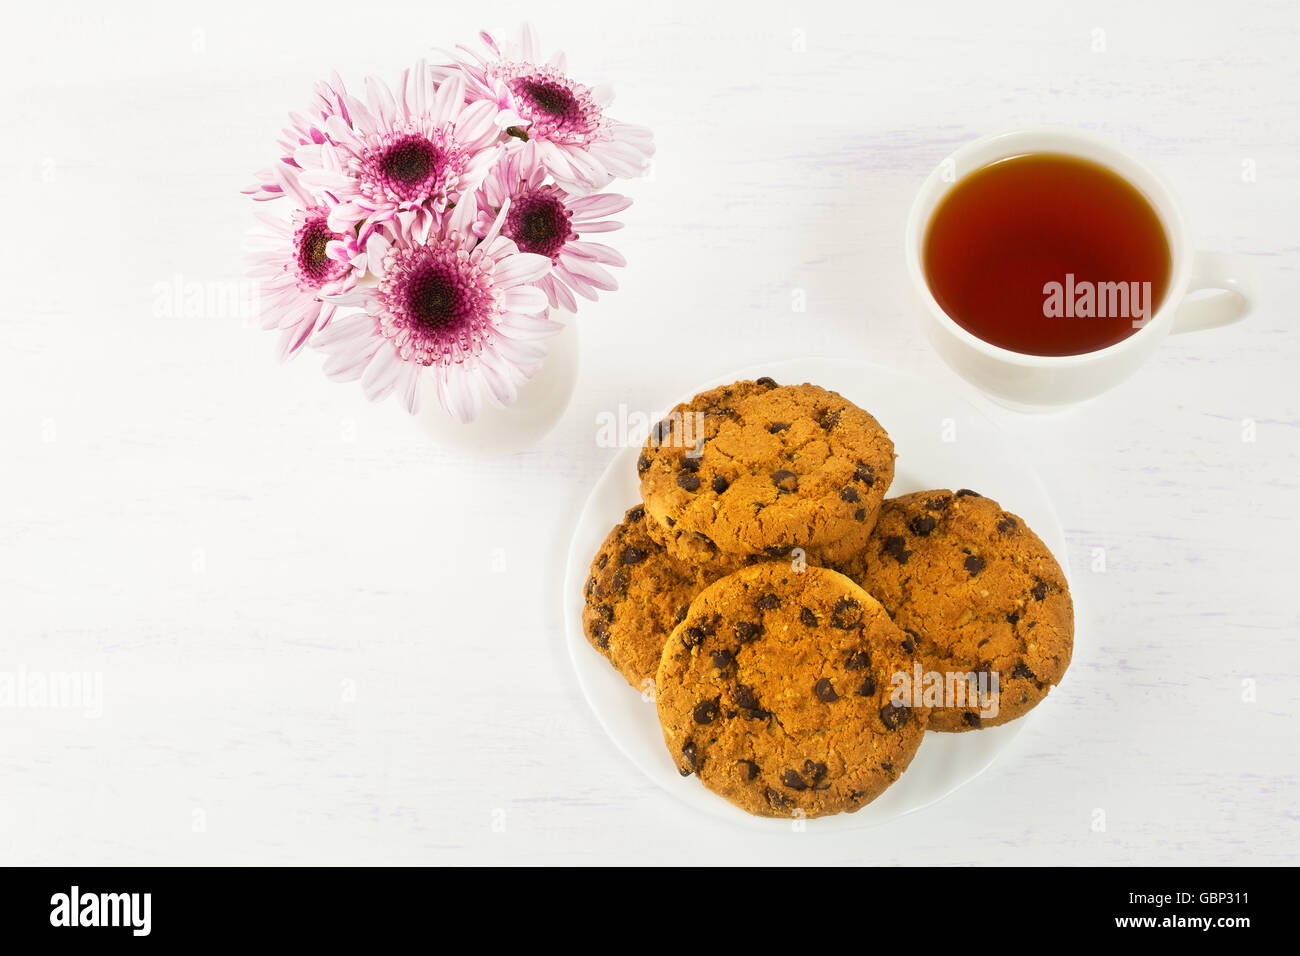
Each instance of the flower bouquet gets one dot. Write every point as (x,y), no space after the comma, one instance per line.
(428,231)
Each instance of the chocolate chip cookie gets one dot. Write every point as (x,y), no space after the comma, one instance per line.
(635,595)
(756,468)
(776,691)
(979,593)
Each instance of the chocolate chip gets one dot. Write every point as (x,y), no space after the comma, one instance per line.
(720,484)
(850,495)
(765,382)
(768,602)
(1013,616)
(887,767)
(662,431)
(807,617)
(971,719)
(856,795)
(1007,524)
(865,474)
(693,637)
(642,464)
(847,613)
(670,521)
(867,688)
(602,561)
(591,585)
(967,493)
(774,799)
(600,634)
(895,548)
(706,711)
(825,691)
(620,580)
(814,771)
(1022,670)
(975,564)
(606,611)
(745,698)
(690,464)
(688,480)
(910,642)
(860,514)
(1040,591)
(635,514)
(723,659)
(785,480)
(633,556)
(747,631)
(829,419)
(793,780)
(776,427)
(774,550)
(749,767)
(857,660)
(688,755)
(939,504)
(922,525)
(894,717)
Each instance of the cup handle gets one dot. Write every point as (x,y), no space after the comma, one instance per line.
(1237,291)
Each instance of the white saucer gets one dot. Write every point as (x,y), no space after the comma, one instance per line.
(942,442)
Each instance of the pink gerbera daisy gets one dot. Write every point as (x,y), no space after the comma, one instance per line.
(414,153)
(297,262)
(579,144)
(547,220)
(446,304)
(329,99)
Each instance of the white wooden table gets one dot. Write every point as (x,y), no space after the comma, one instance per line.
(323,640)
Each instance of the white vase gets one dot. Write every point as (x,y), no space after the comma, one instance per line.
(541,402)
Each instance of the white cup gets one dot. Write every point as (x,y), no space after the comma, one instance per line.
(1047,382)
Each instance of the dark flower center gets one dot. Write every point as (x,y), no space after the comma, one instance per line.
(435,298)
(314,264)
(411,161)
(549,97)
(538,223)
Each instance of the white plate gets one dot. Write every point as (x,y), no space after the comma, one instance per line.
(942,442)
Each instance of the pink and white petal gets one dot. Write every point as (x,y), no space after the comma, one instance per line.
(594,251)
(608,225)
(409,386)
(353,299)
(519,326)
(348,333)
(525,299)
(477,126)
(458,392)
(448,101)
(497,379)
(560,293)
(382,374)
(576,283)
(525,356)
(348,366)
(598,206)
(520,268)
(593,273)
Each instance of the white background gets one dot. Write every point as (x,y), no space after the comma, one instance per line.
(234,544)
